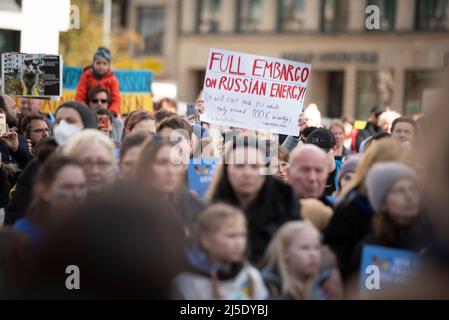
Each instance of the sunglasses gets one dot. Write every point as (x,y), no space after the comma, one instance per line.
(99,100)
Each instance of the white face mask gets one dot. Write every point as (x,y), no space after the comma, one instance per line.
(64,131)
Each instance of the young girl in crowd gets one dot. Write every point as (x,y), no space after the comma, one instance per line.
(394,195)
(99,74)
(95,152)
(351,221)
(218,267)
(283,156)
(293,262)
(59,186)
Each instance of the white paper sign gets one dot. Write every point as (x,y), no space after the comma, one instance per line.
(254,92)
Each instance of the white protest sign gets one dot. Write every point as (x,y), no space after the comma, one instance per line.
(254,92)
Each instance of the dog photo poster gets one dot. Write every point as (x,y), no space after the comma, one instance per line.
(31,75)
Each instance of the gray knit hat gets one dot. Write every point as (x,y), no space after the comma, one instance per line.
(380,179)
(349,165)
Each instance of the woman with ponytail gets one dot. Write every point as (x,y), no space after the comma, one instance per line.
(218,268)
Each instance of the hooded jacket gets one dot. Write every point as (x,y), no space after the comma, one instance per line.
(196,284)
(108,82)
(274,205)
(350,223)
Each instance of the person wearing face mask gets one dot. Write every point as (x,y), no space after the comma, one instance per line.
(13,146)
(71,117)
(60,184)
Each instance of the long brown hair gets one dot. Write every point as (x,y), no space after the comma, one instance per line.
(40,210)
(144,172)
(384,229)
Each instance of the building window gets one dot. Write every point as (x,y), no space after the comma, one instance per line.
(209,16)
(292,15)
(11,5)
(250,15)
(373,88)
(432,15)
(151,28)
(334,16)
(387,10)
(9,40)
(416,82)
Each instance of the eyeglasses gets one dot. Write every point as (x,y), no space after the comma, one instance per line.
(42,130)
(99,164)
(99,100)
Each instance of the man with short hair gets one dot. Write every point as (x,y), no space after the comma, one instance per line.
(372,127)
(99,98)
(307,171)
(34,127)
(404,129)
(325,140)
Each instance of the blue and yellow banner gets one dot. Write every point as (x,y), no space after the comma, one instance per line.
(134,85)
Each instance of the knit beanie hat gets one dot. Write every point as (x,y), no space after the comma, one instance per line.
(381,177)
(103,52)
(349,165)
(89,119)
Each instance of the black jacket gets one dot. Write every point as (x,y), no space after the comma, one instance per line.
(6,183)
(21,157)
(275,205)
(405,238)
(350,223)
(23,195)
(370,130)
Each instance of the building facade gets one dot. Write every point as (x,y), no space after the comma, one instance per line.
(353,67)
(22,26)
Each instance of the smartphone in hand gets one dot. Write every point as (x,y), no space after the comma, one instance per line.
(3,128)
(104,122)
(190,109)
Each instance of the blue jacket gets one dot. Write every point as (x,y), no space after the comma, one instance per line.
(33,231)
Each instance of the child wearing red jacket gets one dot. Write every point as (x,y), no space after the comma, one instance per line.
(100,75)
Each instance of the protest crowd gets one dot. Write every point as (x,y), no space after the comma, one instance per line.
(112,194)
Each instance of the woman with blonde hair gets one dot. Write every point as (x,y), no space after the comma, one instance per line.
(95,151)
(338,129)
(293,262)
(351,221)
(218,266)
